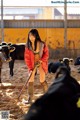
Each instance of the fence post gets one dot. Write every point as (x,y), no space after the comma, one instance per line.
(2,23)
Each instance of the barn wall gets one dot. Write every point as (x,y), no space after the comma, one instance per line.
(54,37)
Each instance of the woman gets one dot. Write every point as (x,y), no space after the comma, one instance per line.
(36,52)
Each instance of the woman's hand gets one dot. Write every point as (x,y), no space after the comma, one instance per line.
(30,72)
(40,61)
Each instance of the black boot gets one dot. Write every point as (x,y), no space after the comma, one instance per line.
(45,86)
(30,93)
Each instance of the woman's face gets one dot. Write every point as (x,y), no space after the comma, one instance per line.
(31,37)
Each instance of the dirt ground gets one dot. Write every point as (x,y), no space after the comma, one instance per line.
(11,87)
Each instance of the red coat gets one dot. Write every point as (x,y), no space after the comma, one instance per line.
(29,58)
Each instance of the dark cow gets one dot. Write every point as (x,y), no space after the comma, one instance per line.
(60,102)
(5,54)
(53,66)
(77,61)
(18,54)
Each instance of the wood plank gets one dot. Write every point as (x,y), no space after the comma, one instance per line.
(10,86)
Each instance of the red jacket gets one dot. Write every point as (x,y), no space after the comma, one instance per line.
(29,58)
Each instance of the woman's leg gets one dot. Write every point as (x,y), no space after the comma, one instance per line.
(42,79)
(30,88)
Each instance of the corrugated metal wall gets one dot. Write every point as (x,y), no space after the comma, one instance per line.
(40,24)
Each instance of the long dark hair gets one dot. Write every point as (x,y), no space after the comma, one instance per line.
(35,33)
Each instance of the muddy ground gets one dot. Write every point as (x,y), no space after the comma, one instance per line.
(11,87)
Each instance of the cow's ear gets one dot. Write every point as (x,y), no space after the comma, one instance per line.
(0,48)
(3,43)
(12,49)
(71,60)
(9,44)
(60,60)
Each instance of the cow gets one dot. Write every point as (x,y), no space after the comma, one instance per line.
(77,61)
(53,66)
(18,54)
(60,102)
(5,54)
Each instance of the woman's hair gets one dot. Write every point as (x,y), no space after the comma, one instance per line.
(35,33)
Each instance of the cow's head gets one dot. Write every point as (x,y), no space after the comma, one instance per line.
(5,52)
(62,71)
(77,61)
(66,61)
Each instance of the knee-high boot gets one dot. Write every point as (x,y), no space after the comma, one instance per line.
(45,86)
(30,93)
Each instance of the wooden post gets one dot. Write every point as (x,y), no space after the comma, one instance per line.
(65,24)
(2,23)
